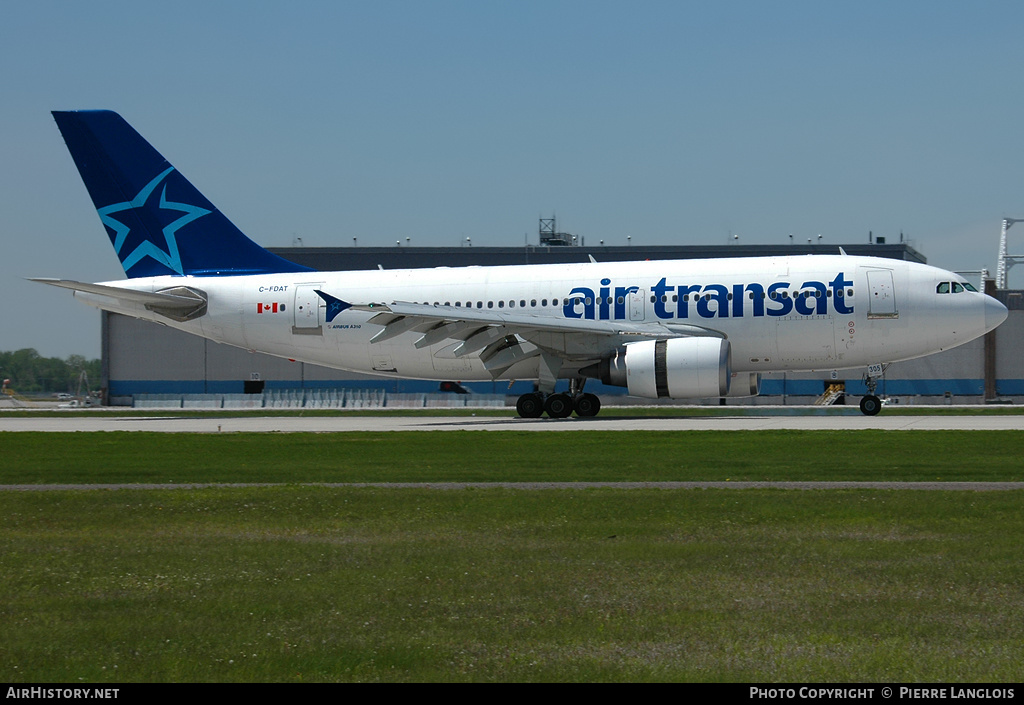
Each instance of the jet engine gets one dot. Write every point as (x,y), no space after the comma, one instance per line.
(744,384)
(677,368)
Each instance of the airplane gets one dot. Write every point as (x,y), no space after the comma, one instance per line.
(678,329)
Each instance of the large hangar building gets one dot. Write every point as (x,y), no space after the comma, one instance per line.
(145,361)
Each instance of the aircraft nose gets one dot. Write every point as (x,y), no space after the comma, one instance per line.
(995,313)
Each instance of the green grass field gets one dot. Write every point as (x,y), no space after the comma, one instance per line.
(481,456)
(300,583)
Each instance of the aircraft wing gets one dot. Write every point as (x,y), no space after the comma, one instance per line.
(489,331)
(529,321)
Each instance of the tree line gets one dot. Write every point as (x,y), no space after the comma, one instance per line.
(29,372)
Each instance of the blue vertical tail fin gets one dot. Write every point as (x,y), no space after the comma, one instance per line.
(157,221)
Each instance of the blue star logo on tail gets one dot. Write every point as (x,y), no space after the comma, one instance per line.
(142,219)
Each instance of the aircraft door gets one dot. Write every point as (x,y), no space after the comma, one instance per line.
(881,294)
(636,305)
(308,309)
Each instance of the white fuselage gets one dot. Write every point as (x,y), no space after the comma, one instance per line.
(778,313)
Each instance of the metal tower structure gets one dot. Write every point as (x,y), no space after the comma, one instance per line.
(550,236)
(1006,261)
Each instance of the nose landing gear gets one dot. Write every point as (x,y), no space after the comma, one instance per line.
(870,404)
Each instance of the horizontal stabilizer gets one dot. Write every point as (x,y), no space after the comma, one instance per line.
(179,303)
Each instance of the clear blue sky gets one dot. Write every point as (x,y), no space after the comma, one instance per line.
(673,122)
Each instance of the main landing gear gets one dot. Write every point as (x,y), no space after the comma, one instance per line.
(557,406)
(561,405)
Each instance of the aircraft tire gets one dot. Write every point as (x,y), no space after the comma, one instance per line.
(587,405)
(530,406)
(558,406)
(870,405)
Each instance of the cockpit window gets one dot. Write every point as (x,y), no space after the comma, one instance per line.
(954,287)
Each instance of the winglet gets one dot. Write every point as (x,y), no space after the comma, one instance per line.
(334,306)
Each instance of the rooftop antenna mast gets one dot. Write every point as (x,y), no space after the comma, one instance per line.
(1006,261)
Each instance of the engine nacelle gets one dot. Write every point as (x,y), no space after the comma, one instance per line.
(745,384)
(677,368)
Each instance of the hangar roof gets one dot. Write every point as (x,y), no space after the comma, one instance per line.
(353,258)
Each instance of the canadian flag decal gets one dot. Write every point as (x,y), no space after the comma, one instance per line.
(266,308)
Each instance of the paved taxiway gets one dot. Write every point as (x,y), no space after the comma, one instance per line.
(415,422)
